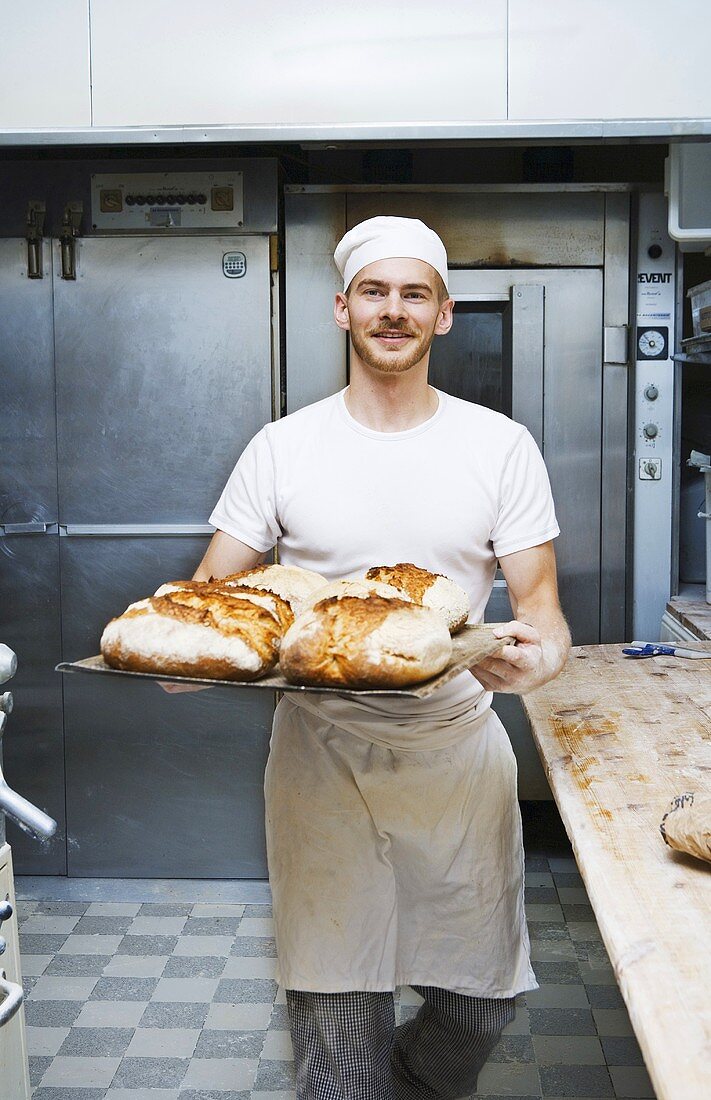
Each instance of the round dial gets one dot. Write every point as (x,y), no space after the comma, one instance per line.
(652,343)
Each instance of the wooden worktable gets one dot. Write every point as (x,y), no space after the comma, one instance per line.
(619,738)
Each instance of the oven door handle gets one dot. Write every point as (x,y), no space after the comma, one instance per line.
(13,997)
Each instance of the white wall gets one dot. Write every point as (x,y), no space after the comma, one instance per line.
(44,63)
(177,62)
(316,63)
(585,59)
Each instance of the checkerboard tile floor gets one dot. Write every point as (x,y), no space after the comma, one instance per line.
(131,1001)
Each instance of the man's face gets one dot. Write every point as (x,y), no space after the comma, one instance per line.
(393,312)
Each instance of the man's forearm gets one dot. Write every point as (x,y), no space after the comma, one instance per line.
(555,639)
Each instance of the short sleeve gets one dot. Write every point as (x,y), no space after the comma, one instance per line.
(247,507)
(526,515)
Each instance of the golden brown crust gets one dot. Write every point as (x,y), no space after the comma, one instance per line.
(335,653)
(408,577)
(282,607)
(258,627)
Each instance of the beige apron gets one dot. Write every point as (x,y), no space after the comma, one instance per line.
(394,846)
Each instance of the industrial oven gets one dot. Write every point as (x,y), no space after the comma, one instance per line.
(152,325)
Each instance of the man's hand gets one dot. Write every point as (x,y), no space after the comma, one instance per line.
(520,667)
(543,640)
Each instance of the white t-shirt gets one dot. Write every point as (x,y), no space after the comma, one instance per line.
(451,495)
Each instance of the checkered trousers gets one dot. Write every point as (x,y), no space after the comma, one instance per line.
(346,1045)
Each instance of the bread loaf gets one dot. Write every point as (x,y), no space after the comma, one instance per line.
(428,589)
(359,588)
(293,584)
(280,607)
(370,642)
(188,633)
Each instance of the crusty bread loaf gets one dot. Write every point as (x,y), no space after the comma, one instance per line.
(288,581)
(280,607)
(358,588)
(370,642)
(428,589)
(186,633)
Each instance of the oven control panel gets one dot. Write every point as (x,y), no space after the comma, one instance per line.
(158,202)
(653,416)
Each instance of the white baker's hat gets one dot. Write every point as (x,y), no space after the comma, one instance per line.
(382,238)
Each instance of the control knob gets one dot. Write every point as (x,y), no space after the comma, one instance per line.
(651,392)
(650,431)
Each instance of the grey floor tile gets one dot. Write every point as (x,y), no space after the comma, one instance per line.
(257,911)
(185,989)
(90,945)
(44,1042)
(102,926)
(38,1067)
(558,996)
(214,1094)
(242,990)
(49,924)
(194,966)
(110,1014)
(566,866)
(545,913)
(124,989)
(280,1017)
(579,913)
(622,1050)
(203,909)
(52,1013)
(561,1021)
(559,972)
(582,1050)
(520,1025)
(596,974)
(68,988)
(229,1044)
(573,895)
(513,1048)
(240,1017)
(254,945)
(156,926)
(177,1014)
(81,1072)
(576,1081)
(141,1073)
(96,1042)
(541,895)
(136,966)
(165,909)
(275,1074)
(147,945)
(40,945)
(544,930)
(604,996)
(81,965)
(35,965)
(537,863)
(143,1094)
(612,1021)
(211,926)
(277,1047)
(113,909)
(509,1079)
(240,966)
(163,1042)
(63,908)
(28,984)
(553,951)
(60,1093)
(221,1073)
(584,930)
(203,945)
(538,878)
(632,1081)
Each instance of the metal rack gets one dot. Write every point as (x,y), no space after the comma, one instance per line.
(695,349)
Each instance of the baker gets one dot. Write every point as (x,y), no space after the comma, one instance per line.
(393,830)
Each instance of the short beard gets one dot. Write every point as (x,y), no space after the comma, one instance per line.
(392,362)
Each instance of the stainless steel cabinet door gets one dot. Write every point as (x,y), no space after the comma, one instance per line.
(29,554)
(163,375)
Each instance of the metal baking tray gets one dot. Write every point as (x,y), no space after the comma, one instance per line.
(472,644)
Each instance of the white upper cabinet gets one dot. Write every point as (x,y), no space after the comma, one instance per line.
(44,64)
(277,62)
(609,59)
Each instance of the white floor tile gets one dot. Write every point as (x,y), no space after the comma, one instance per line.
(136,966)
(203,945)
(110,1014)
(256,926)
(90,945)
(95,1073)
(221,1074)
(44,924)
(68,988)
(156,926)
(242,1017)
(163,1042)
(204,910)
(34,965)
(277,1047)
(185,989)
(45,1041)
(240,966)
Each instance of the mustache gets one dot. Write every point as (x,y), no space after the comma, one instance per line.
(392,328)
